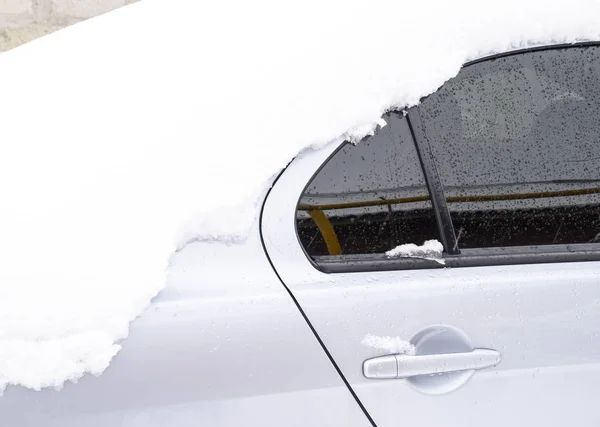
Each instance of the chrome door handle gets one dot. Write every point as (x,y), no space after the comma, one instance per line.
(403,366)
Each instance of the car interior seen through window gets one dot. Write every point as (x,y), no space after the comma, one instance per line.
(369,198)
(516,145)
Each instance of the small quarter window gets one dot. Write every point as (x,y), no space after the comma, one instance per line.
(368,198)
(517,146)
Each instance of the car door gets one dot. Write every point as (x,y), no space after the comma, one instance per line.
(501,168)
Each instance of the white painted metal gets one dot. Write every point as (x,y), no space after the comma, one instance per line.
(544,319)
(223,345)
(405,366)
(382,367)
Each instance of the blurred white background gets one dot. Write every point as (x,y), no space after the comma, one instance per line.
(25,20)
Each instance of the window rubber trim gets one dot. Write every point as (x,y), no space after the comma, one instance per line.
(481,257)
(540,48)
(434,184)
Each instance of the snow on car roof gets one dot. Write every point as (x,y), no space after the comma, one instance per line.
(130,134)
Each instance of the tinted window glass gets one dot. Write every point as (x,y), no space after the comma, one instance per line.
(368,198)
(517,145)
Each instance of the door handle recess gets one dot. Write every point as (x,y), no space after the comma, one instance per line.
(403,366)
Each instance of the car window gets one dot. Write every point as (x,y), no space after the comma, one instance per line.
(368,198)
(517,146)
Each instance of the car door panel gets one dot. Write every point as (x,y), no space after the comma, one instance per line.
(544,319)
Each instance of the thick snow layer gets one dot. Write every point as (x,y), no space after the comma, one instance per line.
(431,250)
(394,345)
(124,137)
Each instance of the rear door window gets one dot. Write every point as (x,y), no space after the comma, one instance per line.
(368,198)
(517,146)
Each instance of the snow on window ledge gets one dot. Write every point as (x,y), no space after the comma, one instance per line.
(430,250)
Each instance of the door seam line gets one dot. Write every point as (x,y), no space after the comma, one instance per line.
(308,322)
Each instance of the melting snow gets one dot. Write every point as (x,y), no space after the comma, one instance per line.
(431,250)
(390,345)
(120,143)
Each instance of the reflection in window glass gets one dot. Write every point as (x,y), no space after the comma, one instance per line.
(368,198)
(517,145)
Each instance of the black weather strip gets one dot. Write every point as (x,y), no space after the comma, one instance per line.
(531,49)
(310,325)
(432,179)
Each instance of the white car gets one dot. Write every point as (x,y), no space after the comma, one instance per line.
(443,272)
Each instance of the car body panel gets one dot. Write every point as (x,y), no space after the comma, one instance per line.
(544,319)
(222,345)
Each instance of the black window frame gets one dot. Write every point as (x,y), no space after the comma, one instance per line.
(452,256)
